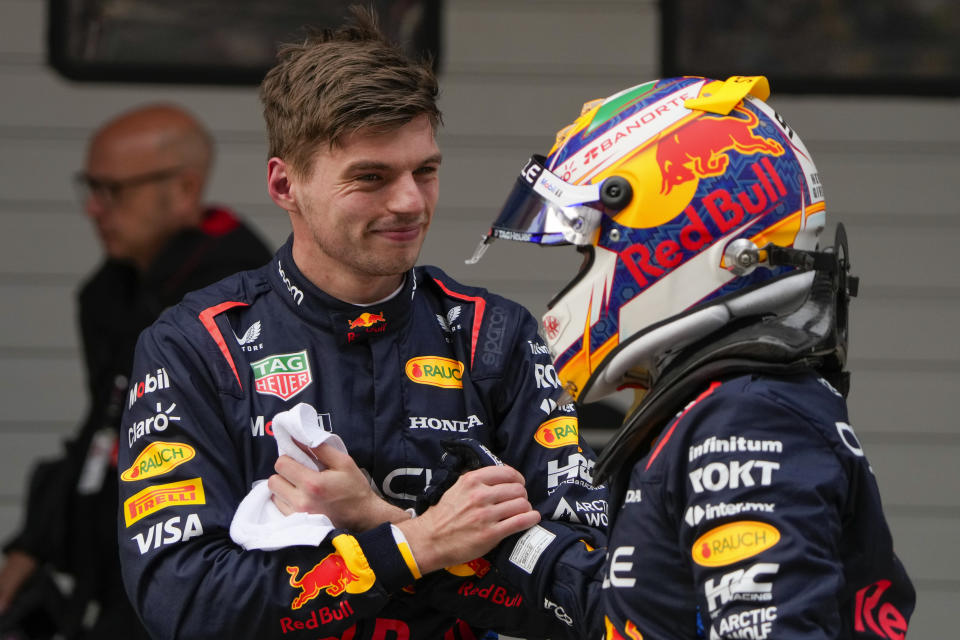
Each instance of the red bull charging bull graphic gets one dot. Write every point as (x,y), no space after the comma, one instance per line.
(330,574)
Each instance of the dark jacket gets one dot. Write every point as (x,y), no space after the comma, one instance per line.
(72,501)
(394,380)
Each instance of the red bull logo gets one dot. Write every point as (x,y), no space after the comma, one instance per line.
(330,574)
(365,320)
(698,149)
(630,629)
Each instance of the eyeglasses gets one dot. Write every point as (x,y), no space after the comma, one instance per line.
(110,191)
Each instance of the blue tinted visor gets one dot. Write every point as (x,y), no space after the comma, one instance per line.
(542,209)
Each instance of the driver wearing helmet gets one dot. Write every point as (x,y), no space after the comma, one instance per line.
(742,503)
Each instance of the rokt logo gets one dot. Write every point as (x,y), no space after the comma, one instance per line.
(283,375)
(157,459)
(436,371)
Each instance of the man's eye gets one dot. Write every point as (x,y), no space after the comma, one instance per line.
(426,171)
(368,177)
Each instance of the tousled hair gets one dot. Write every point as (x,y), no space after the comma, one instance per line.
(338,81)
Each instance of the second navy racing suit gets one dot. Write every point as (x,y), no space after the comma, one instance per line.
(393,380)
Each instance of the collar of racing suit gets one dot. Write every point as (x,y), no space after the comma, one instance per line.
(352,324)
(812,336)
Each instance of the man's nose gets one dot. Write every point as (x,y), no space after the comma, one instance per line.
(407,196)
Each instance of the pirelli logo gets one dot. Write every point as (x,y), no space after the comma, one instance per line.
(157,497)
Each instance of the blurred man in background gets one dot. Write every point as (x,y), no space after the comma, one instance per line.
(142,187)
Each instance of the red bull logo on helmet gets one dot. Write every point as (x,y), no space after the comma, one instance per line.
(698,149)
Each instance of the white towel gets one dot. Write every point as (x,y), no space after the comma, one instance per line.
(258,524)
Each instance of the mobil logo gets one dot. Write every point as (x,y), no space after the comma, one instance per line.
(558,432)
(330,574)
(282,375)
(435,371)
(149,384)
(699,148)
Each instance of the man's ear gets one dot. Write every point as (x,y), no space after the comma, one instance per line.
(280,185)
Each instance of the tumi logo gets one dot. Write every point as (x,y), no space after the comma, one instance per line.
(157,459)
(557,433)
(161,496)
(435,371)
(733,542)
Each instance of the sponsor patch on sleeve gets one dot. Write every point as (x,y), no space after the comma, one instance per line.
(733,542)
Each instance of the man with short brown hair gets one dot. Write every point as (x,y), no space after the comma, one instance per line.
(400,362)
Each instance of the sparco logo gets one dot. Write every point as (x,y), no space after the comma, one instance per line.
(493,341)
(442,424)
(294,290)
(149,384)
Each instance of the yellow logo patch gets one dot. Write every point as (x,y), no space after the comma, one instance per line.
(157,459)
(558,432)
(733,542)
(436,371)
(161,496)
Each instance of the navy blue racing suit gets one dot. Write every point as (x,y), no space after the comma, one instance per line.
(393,380)
(755,514)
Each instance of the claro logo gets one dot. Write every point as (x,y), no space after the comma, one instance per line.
(436,371)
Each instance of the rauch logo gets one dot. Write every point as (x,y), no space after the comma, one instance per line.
(557,433)
(436,371)
(157,459)
(283,375)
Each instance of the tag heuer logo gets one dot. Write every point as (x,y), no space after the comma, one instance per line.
(283,375)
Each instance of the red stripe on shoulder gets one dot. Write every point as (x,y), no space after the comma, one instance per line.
(479,306)
(713,387)
(207,320)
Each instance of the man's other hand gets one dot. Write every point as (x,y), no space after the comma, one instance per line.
(15,571)
(341,491)
(483,507)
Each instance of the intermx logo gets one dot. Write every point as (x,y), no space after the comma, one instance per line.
(577,468)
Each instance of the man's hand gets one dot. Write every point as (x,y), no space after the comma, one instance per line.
(341,491)
(483,507)
(18,567)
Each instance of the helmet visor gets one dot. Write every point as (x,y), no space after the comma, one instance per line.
(543,209)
